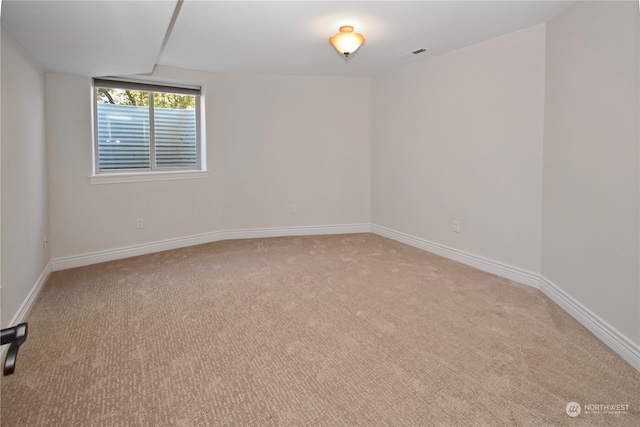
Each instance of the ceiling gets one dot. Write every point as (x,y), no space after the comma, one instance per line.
(107,38)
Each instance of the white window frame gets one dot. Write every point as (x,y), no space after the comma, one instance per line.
(153,173)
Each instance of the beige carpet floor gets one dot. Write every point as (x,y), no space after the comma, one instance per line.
(346,330)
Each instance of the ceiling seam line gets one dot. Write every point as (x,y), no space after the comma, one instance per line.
(167,34)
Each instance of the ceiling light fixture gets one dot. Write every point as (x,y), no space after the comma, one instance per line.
(346,41)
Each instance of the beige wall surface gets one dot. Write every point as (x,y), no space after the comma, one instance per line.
(459,137)
(591,214)
(271,141)
(24,178)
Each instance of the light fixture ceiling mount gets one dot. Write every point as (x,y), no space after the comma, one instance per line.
(346,42)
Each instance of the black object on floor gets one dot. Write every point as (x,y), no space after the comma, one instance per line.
(15,336)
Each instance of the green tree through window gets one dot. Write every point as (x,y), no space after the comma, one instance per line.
(141,98)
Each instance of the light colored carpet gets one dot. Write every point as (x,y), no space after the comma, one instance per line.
(347,330)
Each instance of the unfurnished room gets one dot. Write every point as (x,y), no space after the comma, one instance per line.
(320,213)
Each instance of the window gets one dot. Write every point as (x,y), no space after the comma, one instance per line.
(145,127)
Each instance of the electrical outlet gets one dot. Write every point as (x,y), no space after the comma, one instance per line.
(456,226)
(292,209)
(140,223)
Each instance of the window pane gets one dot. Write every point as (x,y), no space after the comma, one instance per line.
(133,134)
(175,129)
(123,129)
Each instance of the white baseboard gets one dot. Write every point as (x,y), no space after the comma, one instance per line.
(616,341)
(500,269)
(198,239)
(24,309)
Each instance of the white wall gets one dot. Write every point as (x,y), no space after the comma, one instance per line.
(24,178)
(459,136)
(272,141)
(2,324)
(590,244)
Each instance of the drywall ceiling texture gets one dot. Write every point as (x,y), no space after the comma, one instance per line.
(459,137)
(24,178)
(272,141)
(270,37)
(591,205)
(98,38)
(92,38)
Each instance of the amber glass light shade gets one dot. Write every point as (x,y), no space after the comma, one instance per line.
(346,41)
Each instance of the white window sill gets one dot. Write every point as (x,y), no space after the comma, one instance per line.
(115,178)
